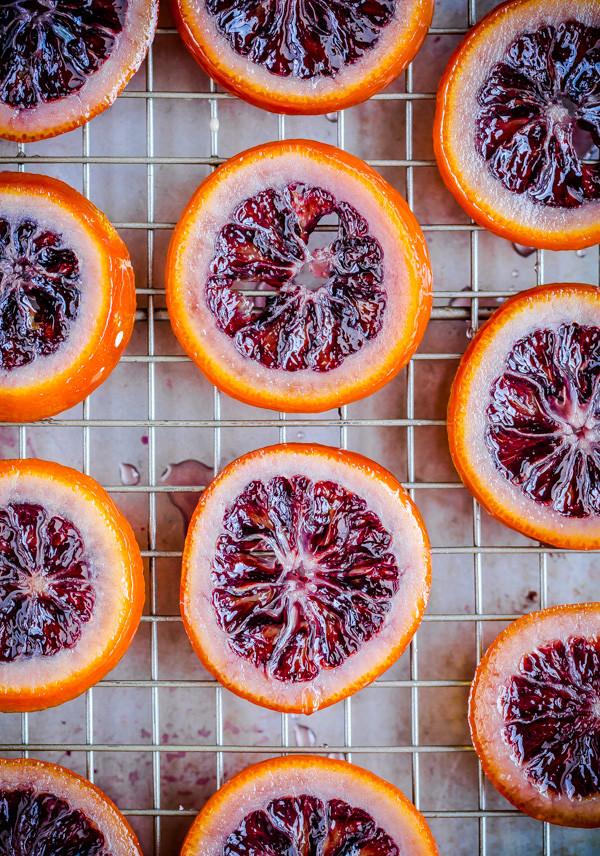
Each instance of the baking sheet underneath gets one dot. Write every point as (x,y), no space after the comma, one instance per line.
(153,700)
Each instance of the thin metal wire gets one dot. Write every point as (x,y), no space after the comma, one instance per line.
(149,315)
(219,756)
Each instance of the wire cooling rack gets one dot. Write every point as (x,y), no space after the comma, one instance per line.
(159,735)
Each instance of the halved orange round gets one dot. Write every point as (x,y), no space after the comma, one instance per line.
(306,571)
(309,804)
(533,713)
(524,415)
(518,123)
(47,809)
(67,297)
(303,58)
(64,62)
(277,321)
(71,584)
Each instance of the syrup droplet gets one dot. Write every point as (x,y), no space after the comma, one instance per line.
(304,735)
(581,254)
(129,474)
(522,250)
(188,472)
(458,301)
(331,117)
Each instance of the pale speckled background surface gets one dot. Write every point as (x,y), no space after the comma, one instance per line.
(117,715)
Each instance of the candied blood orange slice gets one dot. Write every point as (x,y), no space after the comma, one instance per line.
(534,713)
(306,57)
(517,125)
(62,62)
(524,415)
(67,297)
(71,584)
(276,321)
(306,571)
(308,804)
(48,810)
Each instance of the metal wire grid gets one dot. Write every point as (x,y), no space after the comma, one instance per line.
(152,314)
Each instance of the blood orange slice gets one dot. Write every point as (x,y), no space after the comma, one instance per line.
(61,62)
(50,811)
(303,57)
(306,571)
(308,804)
(325,325)
(524,415)
(67,297)
(517,125)
(71,584)
(534,714)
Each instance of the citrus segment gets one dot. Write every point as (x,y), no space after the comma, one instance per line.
(518,124)
(50,811)
(306,571)
(308,804)
(277,322)
(524,415)
(67,297)
(71,584)
(62,63)
(305,57)
(533,713)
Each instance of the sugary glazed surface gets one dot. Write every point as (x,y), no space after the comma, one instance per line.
(50,47)
(40,291)
(539,115)
(306,825)
(306,805)
(307,39)
(297,325)
(543,429)
(71,584)
(298,279)
(41,824)
(304,575)
(551,713)
(306,571)
(46,592)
